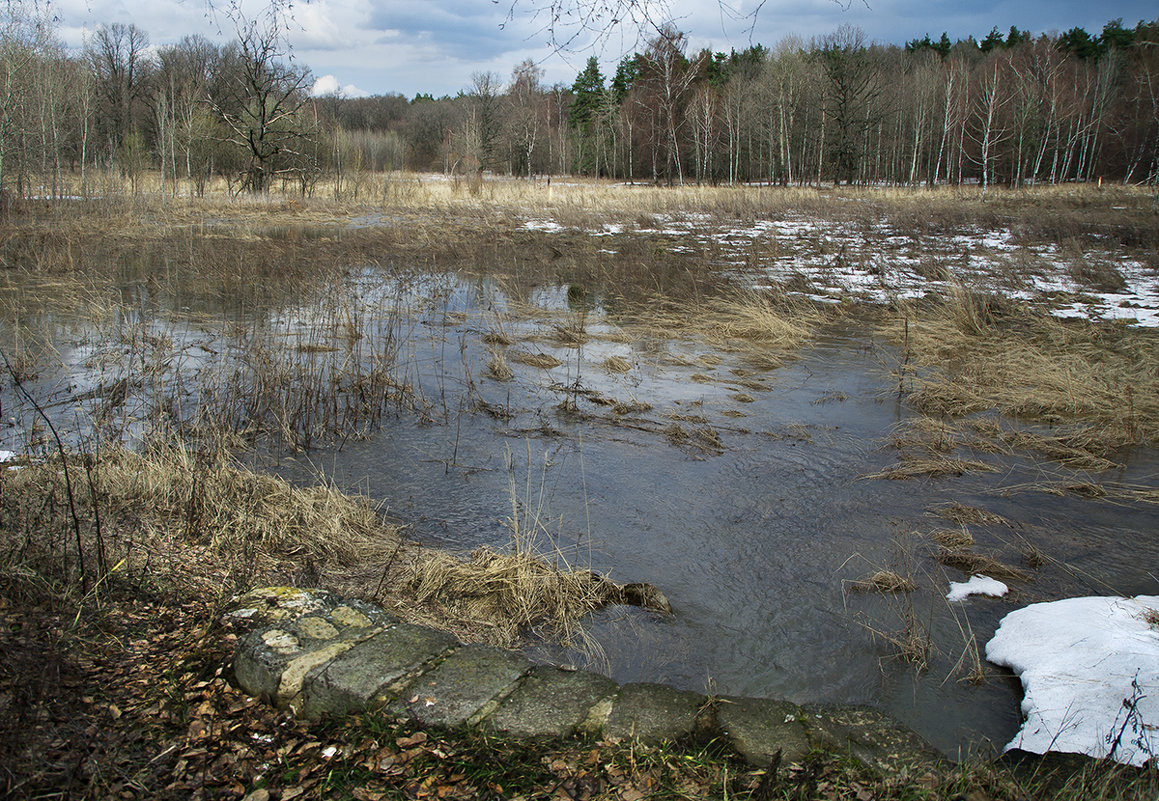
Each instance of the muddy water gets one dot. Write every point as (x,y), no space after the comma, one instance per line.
(754,536)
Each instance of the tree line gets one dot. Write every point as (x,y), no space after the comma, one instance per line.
(1008,109)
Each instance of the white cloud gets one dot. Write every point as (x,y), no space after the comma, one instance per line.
(411,46)
(328,85)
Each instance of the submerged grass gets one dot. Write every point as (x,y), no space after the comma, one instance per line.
(930,466)
(972,563)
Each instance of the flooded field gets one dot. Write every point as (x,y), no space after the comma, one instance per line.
(754,475)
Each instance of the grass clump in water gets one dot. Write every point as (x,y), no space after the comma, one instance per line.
(544,361)
(972,563)
(931,466)
(982,353)
(884,581)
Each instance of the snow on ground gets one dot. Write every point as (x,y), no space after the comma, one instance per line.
(548,226)
(877,263)
(1090,675)
(977,585)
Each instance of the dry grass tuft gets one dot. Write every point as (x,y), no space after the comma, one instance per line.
(884,581)
(910,642)
(982,353)
(972,563)
(698,439)
(1078,449)
(570,334)
(237,524)
(513,594)
(617,364)
(631,407)
(924,433)
(544,361)
(930,466)
(766,328)
(951,538)
(498,368)
(1114,493)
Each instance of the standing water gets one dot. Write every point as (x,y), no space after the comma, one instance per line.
(741,492)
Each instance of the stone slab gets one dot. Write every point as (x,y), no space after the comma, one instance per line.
(553,703)
(268,605)
(322,654)
(763,731)
(870,736)
(463,687)
(272,661)
(655,713)
(362,676)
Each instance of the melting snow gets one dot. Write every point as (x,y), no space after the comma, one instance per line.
(977,585)
(879,263)
(1090,675)
(548,226)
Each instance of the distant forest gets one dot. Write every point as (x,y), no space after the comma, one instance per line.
(1010,109)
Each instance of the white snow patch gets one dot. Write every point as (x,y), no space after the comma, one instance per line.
(1090,675)
(977,585)
(549,226)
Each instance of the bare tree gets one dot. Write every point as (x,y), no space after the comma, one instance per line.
(851,88)
(262,103)
(990,128)
(668,74)
(485,113)
(119,58)
(526,115)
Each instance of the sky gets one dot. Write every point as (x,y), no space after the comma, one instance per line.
(360,47)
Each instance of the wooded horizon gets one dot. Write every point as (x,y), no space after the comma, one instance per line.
(1010,109)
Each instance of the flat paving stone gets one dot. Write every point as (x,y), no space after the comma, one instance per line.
(321,654)
(464,686)
(763,730)
(552,703)
(869,735)
(655,713)
(272,661)
(363,675)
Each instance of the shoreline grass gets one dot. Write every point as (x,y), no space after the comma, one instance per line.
(192,523)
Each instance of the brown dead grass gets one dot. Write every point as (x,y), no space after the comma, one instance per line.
(982,353)
(972,563)
(952,538)
(617,364)
(168,504)
(930,466)
(544,361)
(498,368)
(968,515)
(884,581)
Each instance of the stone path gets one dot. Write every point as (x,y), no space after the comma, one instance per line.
(321,655)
